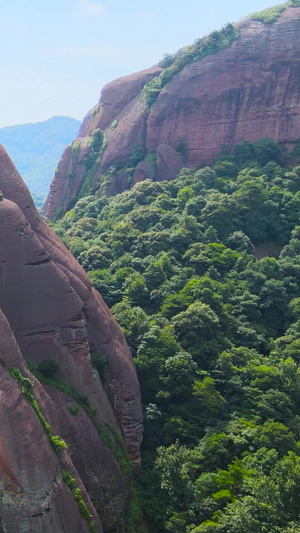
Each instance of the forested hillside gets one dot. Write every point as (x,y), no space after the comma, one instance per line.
(36,148)
(203,275)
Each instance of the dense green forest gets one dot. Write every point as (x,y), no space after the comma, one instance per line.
(36,148)
(203,275)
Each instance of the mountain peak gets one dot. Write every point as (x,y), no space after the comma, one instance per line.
(239,83)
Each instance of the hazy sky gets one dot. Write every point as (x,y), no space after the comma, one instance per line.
(56,55)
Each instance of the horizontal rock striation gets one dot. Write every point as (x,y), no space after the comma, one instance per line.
(248,91)
(50,311)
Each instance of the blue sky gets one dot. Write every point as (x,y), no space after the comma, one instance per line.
(57,55)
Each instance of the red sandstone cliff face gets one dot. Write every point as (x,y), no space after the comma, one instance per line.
(49,310)
(248,91)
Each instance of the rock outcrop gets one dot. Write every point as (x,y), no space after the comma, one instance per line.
(50,311)
(247,91)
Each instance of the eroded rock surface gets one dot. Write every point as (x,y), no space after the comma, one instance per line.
(49,310)
(248,91)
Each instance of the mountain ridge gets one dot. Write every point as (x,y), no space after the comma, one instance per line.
(36,147)
(239,83)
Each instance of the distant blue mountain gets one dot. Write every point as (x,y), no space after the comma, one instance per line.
(36,149)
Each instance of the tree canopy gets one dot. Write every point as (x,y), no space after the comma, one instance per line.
(203,275)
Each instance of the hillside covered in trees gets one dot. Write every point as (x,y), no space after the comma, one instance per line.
(203,275)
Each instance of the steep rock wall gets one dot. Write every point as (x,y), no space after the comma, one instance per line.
(49,310)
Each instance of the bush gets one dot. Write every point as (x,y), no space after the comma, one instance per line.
(270,15)
(101,363)
(114,124)
(73,408)
(173,64)
(49,368)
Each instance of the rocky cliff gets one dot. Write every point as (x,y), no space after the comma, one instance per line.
(248,89)
(63,467)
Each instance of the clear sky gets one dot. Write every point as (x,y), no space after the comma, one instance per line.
(56,55)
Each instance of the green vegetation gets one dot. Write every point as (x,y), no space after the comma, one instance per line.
(26,388)
(152,160)
(270,15)
(112,442)
(1,196)
(36,148)
(57,443)
(71,482)
(97,145)
(73,408)
(133,517)
(172,64)
(96,110)
(49,368)
(214,333)
(75,147)
(108,182)
(75,150)
(114,124)
(101,363)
